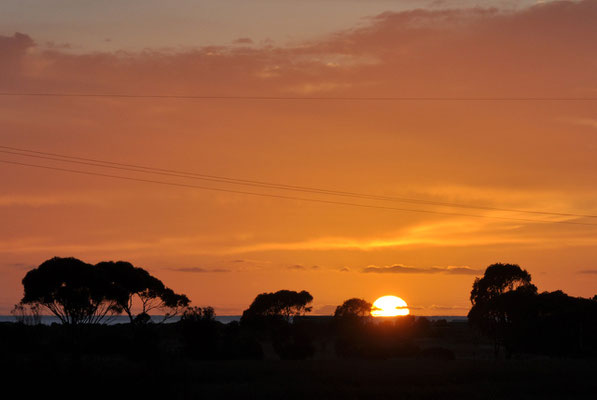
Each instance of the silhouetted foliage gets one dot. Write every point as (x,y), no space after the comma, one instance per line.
(376,337)
(78,293)
(293,342)
(283,304)
(498,279)
(550,323)
(489,311)
(74,291)
(507,308)
(200,332)
(128,283)
(422,327)
(353,308)
(27,314)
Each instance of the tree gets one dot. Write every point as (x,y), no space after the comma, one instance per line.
(71,289)
(281,304)
(128,282)
(200,332)
(495,295)
(352,308)
(499,278)
(198,314)
(27,314)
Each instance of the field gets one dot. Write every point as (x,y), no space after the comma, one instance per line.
(169,372)
(308,379)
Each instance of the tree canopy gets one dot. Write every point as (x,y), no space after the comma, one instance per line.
(354,307)
(72,290)
(501,287)
(129,282)
(499,278)
(77,292)
(283,303)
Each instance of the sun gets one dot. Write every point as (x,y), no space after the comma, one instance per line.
(389,306)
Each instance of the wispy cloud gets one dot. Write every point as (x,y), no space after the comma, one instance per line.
(452,232)
(403,269)
(199,270)
(588,271)
(298,267)
(20,266)
(590,122)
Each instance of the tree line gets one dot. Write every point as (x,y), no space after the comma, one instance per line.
(80,293)
(507,309)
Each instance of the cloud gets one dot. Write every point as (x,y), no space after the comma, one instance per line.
(21,266)
(199,270)
(442,307)
(481,52)
(592,123)
(457,231)
(344,269)
(243,40)
(298,267)
(588,271)
(403,269)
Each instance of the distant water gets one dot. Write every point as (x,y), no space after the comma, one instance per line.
(122,319)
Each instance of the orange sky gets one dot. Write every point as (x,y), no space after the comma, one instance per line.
(222,248)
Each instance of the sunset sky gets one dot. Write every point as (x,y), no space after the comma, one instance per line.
(494,107)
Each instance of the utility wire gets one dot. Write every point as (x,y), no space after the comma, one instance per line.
(287,197)
(323,98)
(269,185)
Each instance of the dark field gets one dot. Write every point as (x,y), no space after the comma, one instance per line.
(309,379)
(163,368)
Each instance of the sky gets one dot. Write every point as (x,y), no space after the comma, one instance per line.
(494,108)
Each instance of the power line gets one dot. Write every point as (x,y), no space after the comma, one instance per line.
(262,184)
(287,197)
(320,98)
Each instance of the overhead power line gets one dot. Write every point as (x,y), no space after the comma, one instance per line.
(319,98)
(128,178)
(262,184)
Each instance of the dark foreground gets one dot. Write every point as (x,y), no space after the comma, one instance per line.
(314,358)
(105,377)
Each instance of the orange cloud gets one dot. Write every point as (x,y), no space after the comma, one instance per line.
(404,269)
(544,50)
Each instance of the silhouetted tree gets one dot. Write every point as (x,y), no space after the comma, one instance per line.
(281,304)
(27,314)
(489,312)
(198,314)
(128,282)
(200,332)
(72,290)
(353,308)
(497,279)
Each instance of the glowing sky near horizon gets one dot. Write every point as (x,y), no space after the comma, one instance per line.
(221,248)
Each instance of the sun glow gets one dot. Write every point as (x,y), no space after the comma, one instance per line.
(389,306)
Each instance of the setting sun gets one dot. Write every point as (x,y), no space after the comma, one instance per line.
(389,306)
